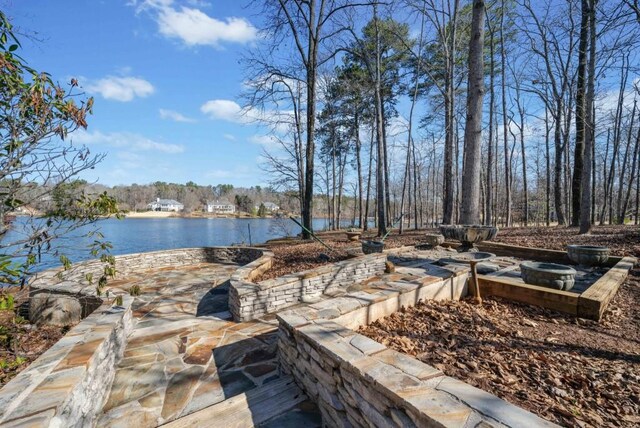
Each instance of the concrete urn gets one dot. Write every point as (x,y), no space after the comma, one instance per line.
(588,255)
(551,275)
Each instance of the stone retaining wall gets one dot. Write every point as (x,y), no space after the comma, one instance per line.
(63,297)
(248,300)
(137,262)
(359,382)
(68,385)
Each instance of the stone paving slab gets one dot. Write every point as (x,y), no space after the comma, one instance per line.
(181,358)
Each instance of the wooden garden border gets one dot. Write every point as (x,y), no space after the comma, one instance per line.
(590,304)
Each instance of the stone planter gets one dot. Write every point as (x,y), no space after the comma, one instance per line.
(370,247)
(588,255)
(466,258)
(469,234)
(434,239)
(353,235)
(552,275)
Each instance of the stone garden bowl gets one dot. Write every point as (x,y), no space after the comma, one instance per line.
(588,255)
(467,257)
(551,275)
(469,234)
(370,247)
(433,239)
(353,234)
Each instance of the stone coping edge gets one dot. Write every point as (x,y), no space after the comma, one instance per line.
(249,300)
(68,384)
(73,281)
(360,382)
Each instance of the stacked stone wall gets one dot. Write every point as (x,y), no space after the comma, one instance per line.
(64,297)
(358,382)
(248,300)
(68,384)
(137,262)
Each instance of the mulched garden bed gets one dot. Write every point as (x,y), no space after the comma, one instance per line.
(21,342)
(296,256)
(570,371)
(622,240)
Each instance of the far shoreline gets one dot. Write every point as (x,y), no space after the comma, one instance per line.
(171,214)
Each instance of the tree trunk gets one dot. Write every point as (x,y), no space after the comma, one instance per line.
(307,204)
(381,161)
(366,206)
(505,124)
(358,165)
(634,165)
(488,212)
(332,224)
(608,200)
(557,176)
(578,158)
(585,203)
(449,122)
(548,166)
(623,171)
(470,210)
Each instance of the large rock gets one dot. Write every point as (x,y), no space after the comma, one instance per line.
(55,309)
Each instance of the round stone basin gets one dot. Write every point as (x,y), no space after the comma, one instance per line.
(469,234)
(353,235)
(588,255)
(370,247)
(467,257)
(552,275)
(433,239)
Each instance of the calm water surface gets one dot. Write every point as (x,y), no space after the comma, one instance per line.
(140,235)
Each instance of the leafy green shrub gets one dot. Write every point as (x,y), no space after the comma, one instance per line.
(7,302)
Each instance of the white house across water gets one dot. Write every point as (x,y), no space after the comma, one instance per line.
(220,207)
(165,205)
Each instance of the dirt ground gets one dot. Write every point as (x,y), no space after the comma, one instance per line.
(21,342)
(622,240)
(570,371)
(295,256)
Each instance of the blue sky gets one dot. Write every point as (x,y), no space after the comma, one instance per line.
(166,79)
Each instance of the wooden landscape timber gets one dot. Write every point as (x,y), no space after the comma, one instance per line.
(590,304)
(512,289)
(528,253)
(595,299)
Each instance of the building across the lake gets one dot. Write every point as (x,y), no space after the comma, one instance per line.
(220,207)
(269,206)
(165,205)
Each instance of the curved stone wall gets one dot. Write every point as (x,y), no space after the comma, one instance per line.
(68,384)
(64,297)
(249,300)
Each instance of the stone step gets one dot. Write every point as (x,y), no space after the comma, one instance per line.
(248,409)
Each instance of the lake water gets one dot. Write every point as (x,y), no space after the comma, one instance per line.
(140,235)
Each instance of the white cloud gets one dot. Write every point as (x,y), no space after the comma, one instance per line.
(230,111)
(225,110)
(238,172)
(198,3)
(174,115)
(131,141)
(268,141)
(194,27)
(230,137)
(122,89)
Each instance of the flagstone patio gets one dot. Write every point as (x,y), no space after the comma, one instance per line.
(185,354)
(183,362)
